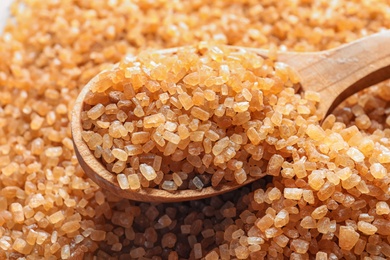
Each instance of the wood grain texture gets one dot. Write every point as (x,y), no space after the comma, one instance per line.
(335,74)
(338,73)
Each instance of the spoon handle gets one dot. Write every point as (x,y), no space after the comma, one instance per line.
(340,72)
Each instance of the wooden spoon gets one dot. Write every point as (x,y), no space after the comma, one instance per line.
(336,74)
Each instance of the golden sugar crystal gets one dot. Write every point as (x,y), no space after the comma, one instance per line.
(241,118)
(98,235)
(315,132)
(158,138)
(199,113)
(382,208)
(163,97)
(362,187)
(384,157)
(198,251)
(123,181)
(240,176)
(213,255)
(220,145)
(111,109)
(104,83)
(326,191)
(175,102)
(246,94)
(212,135)
(224,72)
(103,125)
(138,111)
(17,211)
(348,237)
(183,132)
(21,246)
(54,151)
(281,240)
(148,146)
(170,126)
(300,246)
(171,137)
(10,169)
(198,98)
(209,94)
(316,179)
(137,253)
(192,79)
(308,222)
(177,179)
(216,53)
(275,164)
(332,177)
(36,122)
(220,111)
(96,111)
(240,106)
(152,85)
(121,116)
(134,182)
(148,172)
(344,173)
(157,161)
(185,100)
(56,217)
(140,137)
(366,228)
(378,171)
(119,166)
(293,193)
(253,136)
(281,219)
(119,154)
(236,138)
(351,182)
(366,146)
(169,185)
(355,154)
(300,169)
(217,177)
(360,246)
(117,130)
(194,160)
(153,120)
(274,194)
(198,183)
(363,121)
(323,225)
(133,150)
(303,110)
(197,136)
(319,212)
(71,226)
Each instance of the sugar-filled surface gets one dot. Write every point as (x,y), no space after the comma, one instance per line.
(197,117)
(53,48)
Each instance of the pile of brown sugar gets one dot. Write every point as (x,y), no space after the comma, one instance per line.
(202,116)
(330,199)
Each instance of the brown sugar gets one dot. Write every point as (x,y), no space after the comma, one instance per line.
(49,209)
(205,139)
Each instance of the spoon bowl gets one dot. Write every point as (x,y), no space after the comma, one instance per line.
(335,74)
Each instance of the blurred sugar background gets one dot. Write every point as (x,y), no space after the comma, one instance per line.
(4,11)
